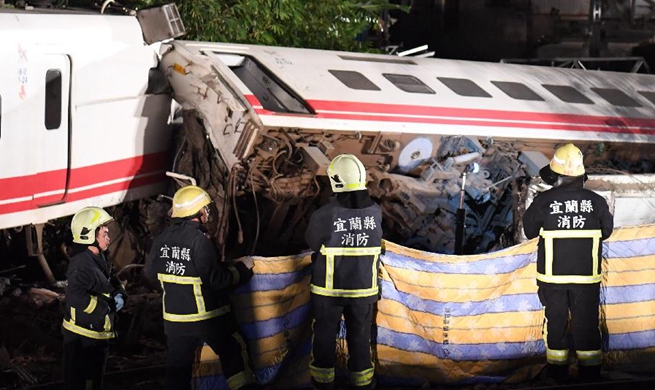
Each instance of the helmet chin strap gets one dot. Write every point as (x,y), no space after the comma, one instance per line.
(95,248)
(559,181)
(197,216)
(96,244)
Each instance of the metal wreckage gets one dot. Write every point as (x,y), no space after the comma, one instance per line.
(452,151)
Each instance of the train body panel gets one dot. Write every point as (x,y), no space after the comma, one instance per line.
(77,125)
(327,103)
(277,116)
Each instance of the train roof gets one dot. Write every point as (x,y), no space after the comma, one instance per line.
(47,11)
(336,88)
(73,30)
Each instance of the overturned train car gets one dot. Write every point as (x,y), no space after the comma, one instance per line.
(273,118)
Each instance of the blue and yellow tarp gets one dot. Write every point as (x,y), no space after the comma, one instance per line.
(444,318)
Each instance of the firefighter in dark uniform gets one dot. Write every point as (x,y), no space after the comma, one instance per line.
(346,237)
(196,286)
(93,296)
(571,222)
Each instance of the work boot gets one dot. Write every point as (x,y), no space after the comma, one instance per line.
(322,386)
(251,386)
(557,373)
(589,373)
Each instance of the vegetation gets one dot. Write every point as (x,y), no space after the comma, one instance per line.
(320,24)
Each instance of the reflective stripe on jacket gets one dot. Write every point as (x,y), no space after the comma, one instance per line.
(195,283)
(347,245)
(570,222)
(89,297)
(200,311)
(549,239)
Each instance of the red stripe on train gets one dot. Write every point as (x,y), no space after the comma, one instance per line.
(402,109)
(85,176)
(481,123)
(97,191)
(383,112)
(27,186)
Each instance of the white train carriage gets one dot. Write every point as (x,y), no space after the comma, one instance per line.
(277,116)
(78,124)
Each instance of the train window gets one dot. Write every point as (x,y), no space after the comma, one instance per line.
(616,97)
(464,87)
(53,99)
(517,90)
(567,94)
(273,94)
(408,83)
(354,80)
(390,60)
(648,95)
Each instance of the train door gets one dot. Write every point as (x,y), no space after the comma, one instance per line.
(52,139)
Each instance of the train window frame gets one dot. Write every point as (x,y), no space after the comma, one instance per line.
(53,99)
(567,94)
(399,61)
(354,80)
(616,97)
(272,93)
(518,91)
(417,86)
(648,95)
(464,87)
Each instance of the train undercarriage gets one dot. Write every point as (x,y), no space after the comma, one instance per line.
(266,199)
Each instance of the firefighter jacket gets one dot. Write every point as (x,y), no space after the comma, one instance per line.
(347,243)
(196,285)
(90,307)
(571,222)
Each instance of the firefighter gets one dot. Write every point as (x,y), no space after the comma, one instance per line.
(346,237)
(570,222)
(196,286)
(93,296)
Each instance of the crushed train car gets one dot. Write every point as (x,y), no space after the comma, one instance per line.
(274,117)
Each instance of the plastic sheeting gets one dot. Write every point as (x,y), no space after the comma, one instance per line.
(446,319)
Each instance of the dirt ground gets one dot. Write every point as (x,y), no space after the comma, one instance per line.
(31,341)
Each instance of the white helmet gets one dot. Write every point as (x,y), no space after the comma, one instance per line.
(347,173)
(86,221)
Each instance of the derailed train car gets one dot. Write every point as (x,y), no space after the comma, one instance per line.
(276,116)
(82,118)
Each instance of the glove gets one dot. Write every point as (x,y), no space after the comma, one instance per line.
(245,273)
(119,302)
(248,262)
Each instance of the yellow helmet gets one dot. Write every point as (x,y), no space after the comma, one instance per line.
(347,173)
(567,161)
(188,201)
(86,221)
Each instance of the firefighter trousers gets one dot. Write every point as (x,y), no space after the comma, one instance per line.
(583,303)
(224,340)
(84,362)
(326,324)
